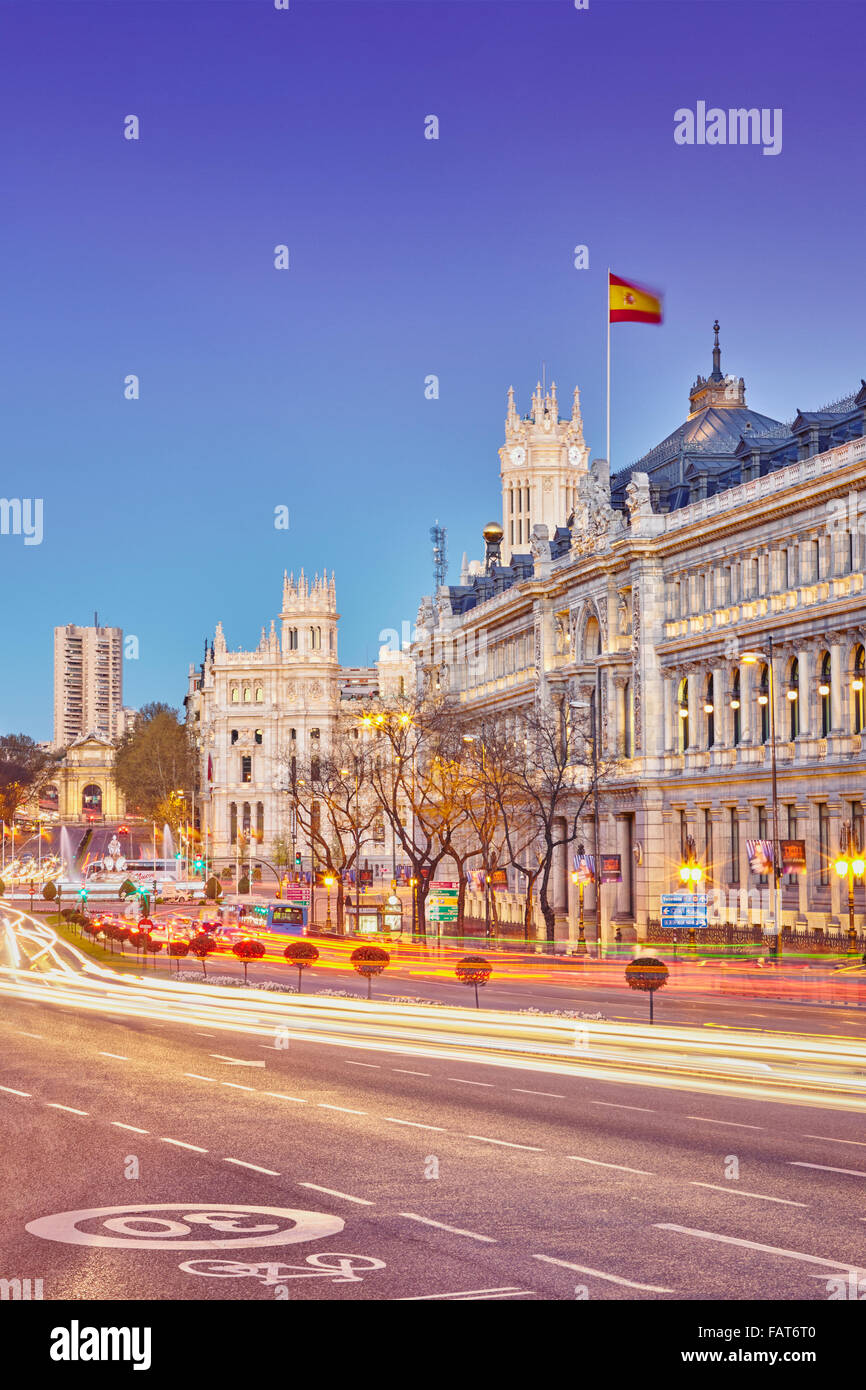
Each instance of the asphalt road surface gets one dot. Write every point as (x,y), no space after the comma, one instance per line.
(421,1178)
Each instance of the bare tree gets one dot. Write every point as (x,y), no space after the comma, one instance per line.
(542,780)
(414,771)
(335,809)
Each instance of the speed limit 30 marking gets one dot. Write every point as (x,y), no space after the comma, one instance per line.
(167,1226)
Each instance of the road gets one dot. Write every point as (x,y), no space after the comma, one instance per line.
(448,1177)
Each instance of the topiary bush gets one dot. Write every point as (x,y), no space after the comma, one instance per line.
(301,954)
(370,961)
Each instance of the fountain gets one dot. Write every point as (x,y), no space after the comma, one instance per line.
(69,870)
(168,850)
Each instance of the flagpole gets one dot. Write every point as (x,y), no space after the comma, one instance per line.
(607,311)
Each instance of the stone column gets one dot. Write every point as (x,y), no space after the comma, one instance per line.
(669,715)
(808,691)
(838,886)
(695,704)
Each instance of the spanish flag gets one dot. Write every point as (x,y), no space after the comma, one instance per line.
(630,303)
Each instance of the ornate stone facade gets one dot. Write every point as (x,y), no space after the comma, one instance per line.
(251,712)
(763,544)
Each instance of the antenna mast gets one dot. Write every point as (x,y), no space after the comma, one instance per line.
(438,536)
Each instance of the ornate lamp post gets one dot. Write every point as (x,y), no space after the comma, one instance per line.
(850,865)
(691,874)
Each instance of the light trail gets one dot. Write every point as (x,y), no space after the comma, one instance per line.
(795,1069)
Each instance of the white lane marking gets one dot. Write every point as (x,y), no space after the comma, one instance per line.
(278,1095)
(598,1274)
(736,1192)
(466,1294)
(831,1140)
(135,1129)
(440,1226)
(597,1163)
(483,1139)
(205,1035)
(236,1061)
(197,1076)
(734,1124)
(753,1245)
(464,1082)
(553,1095)
(12,1092)
(343,1108)
(179,1143)
(55,1105)
(116,1055)
(242,1164)
(613,1105)
(406,1072)
(236,1086)
(21,1033)
(332,1192)
(374,1066)
(414,1124)
(825,1168)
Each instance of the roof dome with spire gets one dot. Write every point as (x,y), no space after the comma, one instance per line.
(696,459)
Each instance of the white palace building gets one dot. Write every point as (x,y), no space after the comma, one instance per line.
(250,713)
(737,536)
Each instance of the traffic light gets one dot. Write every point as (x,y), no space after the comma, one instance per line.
(297,860)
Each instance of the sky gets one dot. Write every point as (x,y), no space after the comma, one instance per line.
(409,257)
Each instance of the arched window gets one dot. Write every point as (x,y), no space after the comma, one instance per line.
(858,679)
(91,800)
(824,694)
(236,695)
(591,639)
(735,707)
(260,820)
(793,696)
(315,639)
(246,818)
(248,695)
(683,715)
(234,735)
(764,702)
(293,639)
(260,695)
(233,822)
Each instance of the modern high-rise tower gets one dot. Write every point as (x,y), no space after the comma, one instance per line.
(88,681)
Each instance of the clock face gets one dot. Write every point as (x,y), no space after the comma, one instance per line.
(574,454)
(518,454)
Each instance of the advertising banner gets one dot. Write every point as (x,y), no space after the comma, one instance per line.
(760,856)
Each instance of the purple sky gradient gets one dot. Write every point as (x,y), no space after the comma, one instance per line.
(408,257)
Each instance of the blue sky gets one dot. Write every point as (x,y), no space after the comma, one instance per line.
(407,257)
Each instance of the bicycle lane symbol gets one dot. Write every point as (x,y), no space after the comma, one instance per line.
(337,1268)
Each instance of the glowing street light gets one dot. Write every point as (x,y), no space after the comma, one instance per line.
(850,865)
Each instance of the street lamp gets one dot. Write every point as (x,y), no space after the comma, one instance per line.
(767,695)
(691,875)
(850,865)
(576,878)
(473,738)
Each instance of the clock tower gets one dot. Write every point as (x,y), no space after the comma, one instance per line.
(542,463)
